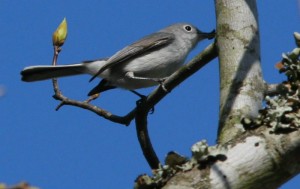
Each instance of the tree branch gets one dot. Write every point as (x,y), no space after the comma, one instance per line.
(199,61)
(251,162)
(125,120)
(140,113)
(207,55)
(143,136)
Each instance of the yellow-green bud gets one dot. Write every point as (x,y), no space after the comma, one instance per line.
(60,34)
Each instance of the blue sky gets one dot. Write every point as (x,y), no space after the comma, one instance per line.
(73,148)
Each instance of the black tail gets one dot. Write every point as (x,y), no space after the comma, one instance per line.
(102,86)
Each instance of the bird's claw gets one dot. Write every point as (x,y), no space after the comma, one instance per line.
(161,83)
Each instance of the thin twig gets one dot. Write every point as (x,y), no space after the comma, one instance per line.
(143,136)
(124,120)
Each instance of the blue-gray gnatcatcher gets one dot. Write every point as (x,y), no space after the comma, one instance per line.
(142,64)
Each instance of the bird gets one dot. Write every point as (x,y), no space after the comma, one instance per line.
(144,63)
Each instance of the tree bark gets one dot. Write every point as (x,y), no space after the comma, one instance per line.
(256,158)
(241,82)
(262,160)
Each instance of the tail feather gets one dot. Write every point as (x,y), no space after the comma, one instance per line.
(37,73)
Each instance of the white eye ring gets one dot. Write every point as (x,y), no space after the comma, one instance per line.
(187,28)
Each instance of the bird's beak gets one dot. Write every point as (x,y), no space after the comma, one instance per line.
(210,35)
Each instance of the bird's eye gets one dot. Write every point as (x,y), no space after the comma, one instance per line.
(188,28)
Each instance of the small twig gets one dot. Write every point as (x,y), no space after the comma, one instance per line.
(143,136)
(124,120)
(57,50)
(93,97)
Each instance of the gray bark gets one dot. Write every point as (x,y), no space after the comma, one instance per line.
(241,82)
(262,160)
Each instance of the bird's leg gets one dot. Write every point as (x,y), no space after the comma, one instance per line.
(138,94)
(158,80)
(143,98)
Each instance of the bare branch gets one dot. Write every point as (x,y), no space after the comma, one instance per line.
(159,93)
(125,120)
(140,113)
(143,136)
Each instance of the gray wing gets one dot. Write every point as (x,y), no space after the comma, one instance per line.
(149,43)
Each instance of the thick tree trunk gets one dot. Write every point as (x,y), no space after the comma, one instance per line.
(241,82)
(261,157)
